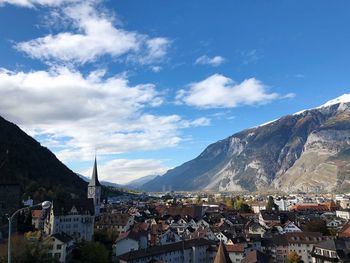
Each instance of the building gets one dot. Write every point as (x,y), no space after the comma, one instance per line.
(302,243)
(333,250)
(94,190)
(73,217)
(60,247)
(344,213)
(313,207)
(194,251)
(129,241)
(118,222)
(256,257)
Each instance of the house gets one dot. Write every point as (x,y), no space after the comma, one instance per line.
(119,222)
(314,207)
(74,217)
(130,241)
(344,213)
(60,247)
(344,231)
(269,218)
(289,227)
(38,219)
(168,237)
(194,251)
(256,257)
(302,243)
(332,250)
(236,252)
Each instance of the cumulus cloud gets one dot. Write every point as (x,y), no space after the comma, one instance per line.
(218,91)
(212,61)
(122,171)
(84,113)
(93,35)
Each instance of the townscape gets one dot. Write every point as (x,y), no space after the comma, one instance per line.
(193,227)
(174,131)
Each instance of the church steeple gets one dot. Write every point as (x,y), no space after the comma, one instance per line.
(94,178)
(94,189)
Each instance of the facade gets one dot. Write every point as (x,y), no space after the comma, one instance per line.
(131,241)
(74,218)
(194,251)
(60,247)
(333,250)
(94,190)
(120,223)
(345,214)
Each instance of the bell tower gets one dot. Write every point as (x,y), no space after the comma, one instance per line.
(94,189)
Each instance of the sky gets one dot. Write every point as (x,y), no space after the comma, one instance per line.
(147,85)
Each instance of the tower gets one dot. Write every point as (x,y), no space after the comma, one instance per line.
(94,190)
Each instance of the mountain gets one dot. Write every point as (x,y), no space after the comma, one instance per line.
(37,170)
(305,151)
(138,183)
(104,183)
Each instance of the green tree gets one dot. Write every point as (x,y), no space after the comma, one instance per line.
(93,252)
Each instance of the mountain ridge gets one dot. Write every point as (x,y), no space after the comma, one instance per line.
(261,157)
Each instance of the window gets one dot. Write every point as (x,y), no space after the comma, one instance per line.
(58,246)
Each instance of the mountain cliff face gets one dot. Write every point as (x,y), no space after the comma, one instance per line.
(307,151)
(37,170)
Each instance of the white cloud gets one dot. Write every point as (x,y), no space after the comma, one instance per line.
(93,35)
(84,113)
(33,3)
(214,61)
(218,91)
(122,171)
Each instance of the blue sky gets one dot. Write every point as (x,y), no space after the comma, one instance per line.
(149,84)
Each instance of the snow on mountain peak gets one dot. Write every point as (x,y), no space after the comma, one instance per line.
(342,99)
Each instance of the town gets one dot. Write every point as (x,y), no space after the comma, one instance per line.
(184,227)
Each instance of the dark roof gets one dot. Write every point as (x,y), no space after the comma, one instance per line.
(94,178)
(158,250)
(83,206)
(62,237)
(256,257)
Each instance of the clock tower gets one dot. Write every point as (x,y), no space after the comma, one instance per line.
(94,190)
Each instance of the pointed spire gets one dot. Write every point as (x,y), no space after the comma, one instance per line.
(94,178)
(222,255)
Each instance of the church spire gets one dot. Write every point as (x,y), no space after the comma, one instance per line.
(94,178)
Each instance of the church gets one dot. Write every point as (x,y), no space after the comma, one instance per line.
(76,217)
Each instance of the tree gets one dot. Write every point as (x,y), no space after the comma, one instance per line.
(293,257)
(27,251)
(271,204)
(93,252)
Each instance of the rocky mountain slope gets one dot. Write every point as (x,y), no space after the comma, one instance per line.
(40,174)
(307,151)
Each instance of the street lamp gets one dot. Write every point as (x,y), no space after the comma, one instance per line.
(44,205)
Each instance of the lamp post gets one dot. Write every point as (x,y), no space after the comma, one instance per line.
(44,205)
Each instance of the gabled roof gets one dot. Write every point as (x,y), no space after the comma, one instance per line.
(94,178)
(62,237)
(83,207)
